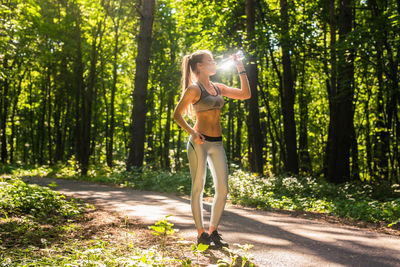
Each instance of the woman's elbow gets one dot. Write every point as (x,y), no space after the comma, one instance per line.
(176,115)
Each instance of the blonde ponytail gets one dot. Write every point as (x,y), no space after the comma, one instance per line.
(189,67)
(186,73)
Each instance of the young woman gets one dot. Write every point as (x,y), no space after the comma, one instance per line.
(205,142)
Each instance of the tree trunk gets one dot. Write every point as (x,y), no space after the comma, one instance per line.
(178,151)
(304,96)
(45,102)
(367,128)
(254,129)
(138,118)
(230,130)
(33,151)
(270,124)
(238,143)
(49,128)
(355,168)
(79,87)
(392,108)
(87,102)
(14,109)
(150,132)
(159,151)
(381,138)
(167,161)
(304,99)
(331,85)
(3,113)
(291,165)
(111,128)
(342,110)
(59,102)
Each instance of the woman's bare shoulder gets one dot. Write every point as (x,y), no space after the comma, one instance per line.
(193,89)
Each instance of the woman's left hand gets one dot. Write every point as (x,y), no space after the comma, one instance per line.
(238,62)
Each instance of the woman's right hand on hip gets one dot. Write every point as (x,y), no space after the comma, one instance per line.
(198,138)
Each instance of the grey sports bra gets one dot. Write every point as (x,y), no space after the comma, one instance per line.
(208,101)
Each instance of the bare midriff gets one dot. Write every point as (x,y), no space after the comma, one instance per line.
(208,123)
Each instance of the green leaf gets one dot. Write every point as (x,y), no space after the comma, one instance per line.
(202,247)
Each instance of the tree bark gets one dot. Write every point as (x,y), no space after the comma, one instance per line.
(45,102)
(167,161)
(291,165)
(87,102)
(392,109)
(111,127)
(14,109)
(230,130)
(34,149)
(79,87)
(49,128)
(342,110)
(150,132)
(59,104)
(3,113)
(138,118)
(178,151)
(254,129)
(331,85)
(304,96)
(238,142)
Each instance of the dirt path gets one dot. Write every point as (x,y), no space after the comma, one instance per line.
(278,239)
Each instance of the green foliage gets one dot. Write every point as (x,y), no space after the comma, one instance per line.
(355,200)
(42,203)
(163,229)
(199,249)
(240,255)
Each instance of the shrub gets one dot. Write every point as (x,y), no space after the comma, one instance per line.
(354,200)
(17,197)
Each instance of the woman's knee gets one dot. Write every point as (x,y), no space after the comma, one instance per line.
(222,191)
(196,192)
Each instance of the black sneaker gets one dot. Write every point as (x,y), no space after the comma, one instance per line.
(217,240)
(204,239)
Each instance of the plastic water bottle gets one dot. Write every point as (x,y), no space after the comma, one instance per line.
(229,62)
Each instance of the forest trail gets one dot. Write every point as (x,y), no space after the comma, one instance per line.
(278,239)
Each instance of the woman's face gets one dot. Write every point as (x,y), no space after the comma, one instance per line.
(208,64)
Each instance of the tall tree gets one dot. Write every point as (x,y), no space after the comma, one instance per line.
(254,129)
(116,19)
(4,112)
(341,106)
(138,118)
(87,101)
(288,96)
(304,99)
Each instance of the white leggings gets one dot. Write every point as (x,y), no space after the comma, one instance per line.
(198,155)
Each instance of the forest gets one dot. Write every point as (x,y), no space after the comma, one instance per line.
(96,82)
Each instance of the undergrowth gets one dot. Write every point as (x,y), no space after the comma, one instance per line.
(354,200)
